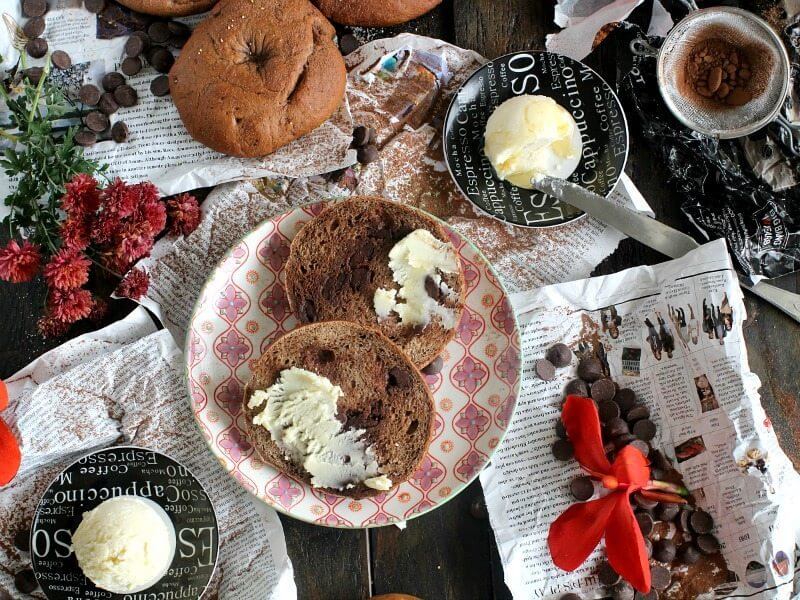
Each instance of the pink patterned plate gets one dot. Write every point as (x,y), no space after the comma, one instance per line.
(243,308)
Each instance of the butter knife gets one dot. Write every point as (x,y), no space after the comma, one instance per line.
(653,234)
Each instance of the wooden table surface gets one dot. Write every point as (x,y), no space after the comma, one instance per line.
(450,553)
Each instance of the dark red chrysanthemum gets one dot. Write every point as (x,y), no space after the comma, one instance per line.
(99,310)
(119,198)
(134,285)
(75,232)
(154,213)
(19,262)
(69,306)
(184,214)
(68,268)
(82,196)
(51,327)
(134,241)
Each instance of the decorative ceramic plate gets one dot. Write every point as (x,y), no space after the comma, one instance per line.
(243,308)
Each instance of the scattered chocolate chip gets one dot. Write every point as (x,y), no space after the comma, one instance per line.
(707,544)
(701,522)
(608,410)
(563,450)
(36,48)
(25,581)
(641,446)
(131,65)
(119,132)
(34,8)
(603,389)
(561,431)
(623,440)
(658,460)
(645,521)
(616,427)
(607,575)
(667,512)
(651,595)
(399,377)
(108,104)
(660,577)
(22,540)
(61,60)
(577,387)
(33,28)
(637,413)
(434,367)
(125,95)
(559,354)
(160,85)
(137,43)
(159,32)
(348,43)
(34,74)
(569,596)
(544,369)
(85,138)
(161,59)
(582,488)
(112,81)
(89,94)
(648,547)
(688,554)
(644,430)
(683,519)
(590,369)
(94,6)
(664,551)
(178,28)
(626,398)
(96,121)
(645,503)
(623,591)
(360,136)
(367,154)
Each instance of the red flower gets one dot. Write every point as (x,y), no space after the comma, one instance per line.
(154,214)
(184,214)
(10,455)
(134,242)
(51,327)
(75,232)
(119,198)
(19,263)
(576,533)
(82,196)
(99,310)
(135,284)
(68,268)
(69,306)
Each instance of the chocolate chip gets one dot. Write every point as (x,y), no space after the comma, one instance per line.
(563,450)
(559,354)
(36,47)
(644,430)
(660,577)
(637,413)
(683,519)
(645,503)
(658,460)
(61,60)
(701,522)
(179,29)
(603,389)
(623,591)
(626,398)
(112,81)
(582,489)
(34,74)
(96,121)
(107,104)
(607,575)
(22,540)
(125,95)
(399,377)
(432,288)
(608,410)
(577,387)
(645,521)
(623,440)
(307,312)
(569,596)
(434,367)
(89,94)
(544,369)
(651,595)
(667,512)
(25,581)
(131,65)
(85,138)
(348,43)
(33,28)
(160,85)
(478,510)
(137,43)
(590,369)
(161,59)
(648,547)
(367,154)
(707,543)
(561,431)
(34,8)
(616,427)
(640,445)
(119,132)
(94,6)
(360,136)
(159,32)
(688,554)
(664,551)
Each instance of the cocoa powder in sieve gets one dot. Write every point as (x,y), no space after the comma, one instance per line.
(718,70)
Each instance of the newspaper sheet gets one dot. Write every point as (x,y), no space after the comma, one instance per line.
(126,384)
(700,393)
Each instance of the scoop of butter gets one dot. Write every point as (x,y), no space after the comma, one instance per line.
(530,136)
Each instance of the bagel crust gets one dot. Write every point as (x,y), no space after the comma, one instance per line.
(374,13)
(258,74)
(169,8)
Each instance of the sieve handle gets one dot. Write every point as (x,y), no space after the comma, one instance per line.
(789,133)
(641,47)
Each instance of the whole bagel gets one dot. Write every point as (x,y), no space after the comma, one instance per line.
(374,13)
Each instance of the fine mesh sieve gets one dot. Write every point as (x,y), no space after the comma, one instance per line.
(760,46)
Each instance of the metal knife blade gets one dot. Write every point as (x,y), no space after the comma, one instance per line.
(653,234)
